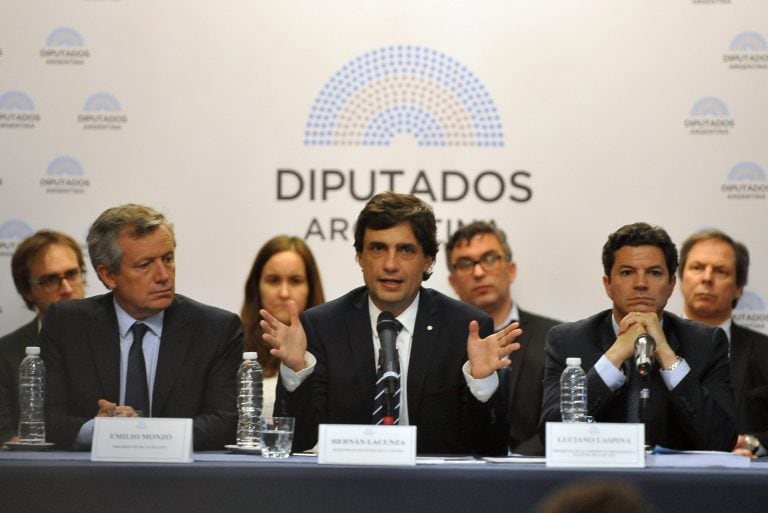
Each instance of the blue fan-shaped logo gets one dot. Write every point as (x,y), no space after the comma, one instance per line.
(749,42)
(747,171)
(750,302)
(65,166)
(710,107)
(15,229)
(102,102)
(404,90)
(64,36)
(16,100)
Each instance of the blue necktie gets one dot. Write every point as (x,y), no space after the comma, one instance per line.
(136,394)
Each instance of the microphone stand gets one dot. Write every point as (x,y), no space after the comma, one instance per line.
(389,404)
(644,371)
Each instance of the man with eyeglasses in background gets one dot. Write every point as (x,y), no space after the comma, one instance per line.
(482,272)
(47,267)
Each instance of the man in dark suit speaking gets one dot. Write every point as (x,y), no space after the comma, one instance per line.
(449,380)
(690,404)
(141,346)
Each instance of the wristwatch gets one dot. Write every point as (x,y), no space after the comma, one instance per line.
(752,443)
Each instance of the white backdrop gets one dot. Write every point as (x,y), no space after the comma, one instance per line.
(592,114)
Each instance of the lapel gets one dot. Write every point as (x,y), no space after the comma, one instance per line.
(175,343)
(360,349)
(517,357)
(740,350)
(423,346)
(104,338)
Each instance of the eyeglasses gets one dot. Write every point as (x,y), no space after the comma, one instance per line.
(52,282)
(490,262)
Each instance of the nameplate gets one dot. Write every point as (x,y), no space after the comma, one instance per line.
(346,444)
(142,440)
(582,444)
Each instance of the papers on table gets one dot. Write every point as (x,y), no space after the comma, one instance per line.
(662,457)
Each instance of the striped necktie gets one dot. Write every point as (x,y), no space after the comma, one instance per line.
(379,401)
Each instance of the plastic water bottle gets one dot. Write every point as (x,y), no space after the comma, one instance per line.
(573,392)
(249,401)
(31,398)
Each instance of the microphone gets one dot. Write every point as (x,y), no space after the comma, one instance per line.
(644,349)
(387,327)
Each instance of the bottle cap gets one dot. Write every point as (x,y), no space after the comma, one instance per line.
(573,360)
(250,355)
(33,350)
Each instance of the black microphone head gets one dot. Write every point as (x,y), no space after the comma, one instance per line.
(386,321)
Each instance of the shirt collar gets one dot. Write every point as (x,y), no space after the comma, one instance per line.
(407,318)
(514,316)
(125,321)
(726,325)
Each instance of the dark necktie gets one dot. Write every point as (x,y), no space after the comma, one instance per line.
(633,394)
(136,394)
(380,399)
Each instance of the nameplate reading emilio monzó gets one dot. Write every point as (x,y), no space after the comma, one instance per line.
(582,444)
(141,439)
(345,444)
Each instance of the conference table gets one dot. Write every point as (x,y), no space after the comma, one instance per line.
(221,482)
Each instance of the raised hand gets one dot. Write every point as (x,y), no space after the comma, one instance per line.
(288,342)
(487,355)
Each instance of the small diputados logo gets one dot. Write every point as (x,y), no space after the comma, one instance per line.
(709,116)
(747,51)
(750,312)
(746,181)
(65,175)
(102,111)
(12,232)
(17,111)
(65,46)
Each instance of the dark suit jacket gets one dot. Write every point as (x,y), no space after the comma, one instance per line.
(697,414)
(12,352)
(749,376)
(522,384)
(200,351)
(341,388)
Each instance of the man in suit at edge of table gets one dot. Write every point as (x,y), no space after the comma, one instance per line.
(713,272)
(191,351)
(449,372)
(47,267)
(691,404)
(482,271)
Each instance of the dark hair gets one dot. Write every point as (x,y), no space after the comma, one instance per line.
(103,246)
(640,234)
(252,303)
(389,209)
(595,497)
(29,249)
(739,250)
(468,232)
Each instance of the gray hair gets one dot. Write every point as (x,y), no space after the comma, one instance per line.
(103,247)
